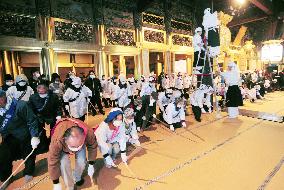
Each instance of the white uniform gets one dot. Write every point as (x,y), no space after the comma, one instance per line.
(78,101)
(171,115)
(186,81)
(121,95)
(196,42)
(105,137)
(163,100)
(147,89)
(132,89)
(113,88)
(179,83)
(196,98)
(14,93)
(165,83)
(105,87)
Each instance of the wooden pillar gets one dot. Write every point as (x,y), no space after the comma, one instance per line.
(14,64)
(110,66)
(145,62)
(167,59)
(48,63)
(7,64)
(1,70)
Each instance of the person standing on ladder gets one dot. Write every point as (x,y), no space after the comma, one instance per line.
(199,53)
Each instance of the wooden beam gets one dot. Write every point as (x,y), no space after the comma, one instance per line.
(264,5)
(245,21)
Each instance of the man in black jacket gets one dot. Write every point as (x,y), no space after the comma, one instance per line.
(19,134)
(94,84)
(47,107)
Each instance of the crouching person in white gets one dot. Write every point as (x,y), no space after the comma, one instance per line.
(71,137)
(233,95)
(174,114)
(111,137)
(130,127)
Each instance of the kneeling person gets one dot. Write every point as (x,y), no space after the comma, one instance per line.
(174,114)
(111,137)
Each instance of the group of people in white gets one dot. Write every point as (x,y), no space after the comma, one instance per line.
(64,108)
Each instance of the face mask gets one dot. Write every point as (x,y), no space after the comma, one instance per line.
(37,75)
(22,83)
(56,82)
(77,85)
(117,123)
(42,95)
(9,83)
(92,76)
(123,82)
(75,149)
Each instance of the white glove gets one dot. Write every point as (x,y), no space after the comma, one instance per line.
(57,186)
(172,128)
(144,118)
(210,110)
(67,108)
(123,157)
(58,117)
(138,129)
(35,142)
(154,115)
(183,124)
(203,110)
(101,94)
(109,162)
(91,170)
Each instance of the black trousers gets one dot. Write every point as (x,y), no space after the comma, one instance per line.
(13,149)
(196,111)
(96,100)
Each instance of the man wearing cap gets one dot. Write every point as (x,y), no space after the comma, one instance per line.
(131,89)
(199,51)
(77,98)
(71,137)
(19,135)
(121,93)
(174,114)
(111,137)
(8,82)
(233,95)
(196,101)
(164,99)
(21,91)
(47,107)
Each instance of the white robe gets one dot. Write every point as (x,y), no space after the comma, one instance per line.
(121,95)
(187,82)
(147,89)
(179,83)
(171,115)
(78,108)
(14,93)
(196,98)
(163,100)
(196,42)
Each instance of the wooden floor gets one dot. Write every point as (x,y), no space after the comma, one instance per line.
(216,154)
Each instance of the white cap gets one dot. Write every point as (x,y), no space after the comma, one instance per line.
(21,77)
(76,81)
(198,29)
(208,10)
